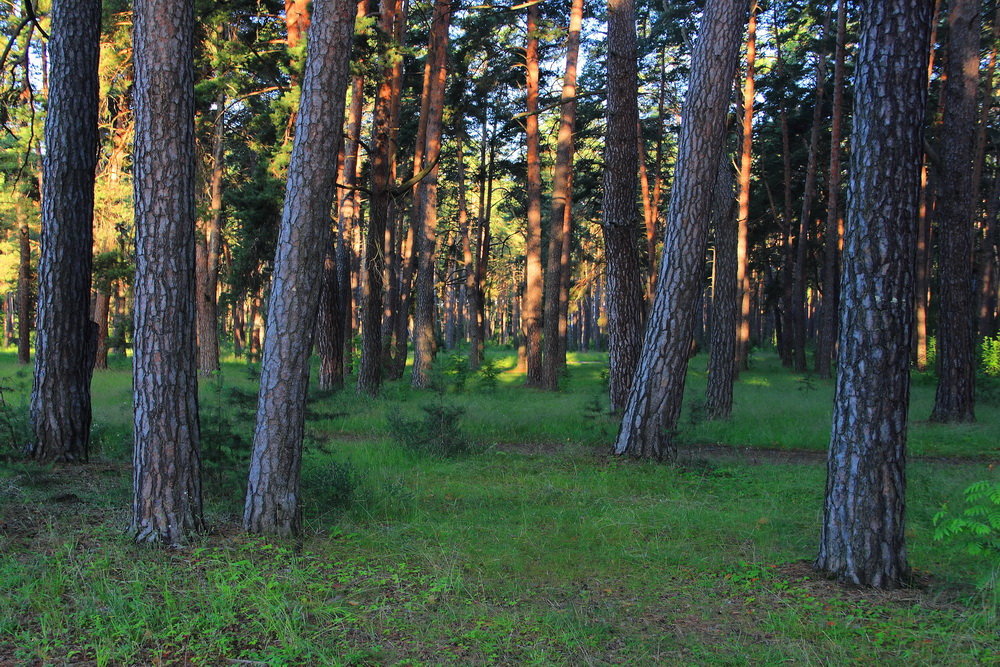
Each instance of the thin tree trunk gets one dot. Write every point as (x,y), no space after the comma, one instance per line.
(863,534)
(722,360)
(24,314)
(531,308)
(370,372)
(654,403)
(799,296)
(561,197)
(207,254)
(743,214)
(102,310)
(424,344)
(620,218)
(272,500)
(923,251)
(166,504)
(66,337)
(831,236)
(954,400)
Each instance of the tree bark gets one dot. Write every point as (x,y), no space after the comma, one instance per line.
(620,217)
(799,306)
(166,504)
(726,301)
(654,404)
(743,214)
(207,254)
(272,501)
(24,314)
(370,371)
(863,539)
(65,341)
(831,237)
(954,400)
(424,344)
(531,306)
(561,197)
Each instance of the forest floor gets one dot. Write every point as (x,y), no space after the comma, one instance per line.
(535,547)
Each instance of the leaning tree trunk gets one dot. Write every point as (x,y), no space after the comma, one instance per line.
(66,338)
(863,540)
(561,193)
(654,404)
(722,360)
(272,502)
(166,504)
(954,400)
(620,217)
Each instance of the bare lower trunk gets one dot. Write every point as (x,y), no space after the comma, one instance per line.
(955,397)
(722,359)
(272,500)
(65,343)
(743,215)
(531,307)
(863,535)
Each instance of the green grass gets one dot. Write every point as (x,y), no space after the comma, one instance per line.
(539,549)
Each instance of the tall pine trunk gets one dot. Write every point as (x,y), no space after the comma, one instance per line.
(620,217)
(531,306)
(272,500)
(743,213)
(66,337)
(831,235)
(561,198)
(166,505)
(424,344)
(954,400)
(726,301)
(863,534)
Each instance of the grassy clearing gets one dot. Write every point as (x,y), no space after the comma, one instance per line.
(537,550)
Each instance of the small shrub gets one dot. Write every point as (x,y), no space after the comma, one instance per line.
(329,485)
(15,426)
(989,356)
(976,529)
(437,433)
(488,374)
(454,373)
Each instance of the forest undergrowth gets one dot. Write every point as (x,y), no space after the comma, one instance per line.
(525,544)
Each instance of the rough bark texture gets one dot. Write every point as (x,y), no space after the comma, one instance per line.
(743,214)
(272,502)
(825,344)
(862,540)
(722,360)
(654,403)
(65,343)
(954,400)
(424,345)
(166,504)
(561,194)
(620,215)
(531,306)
